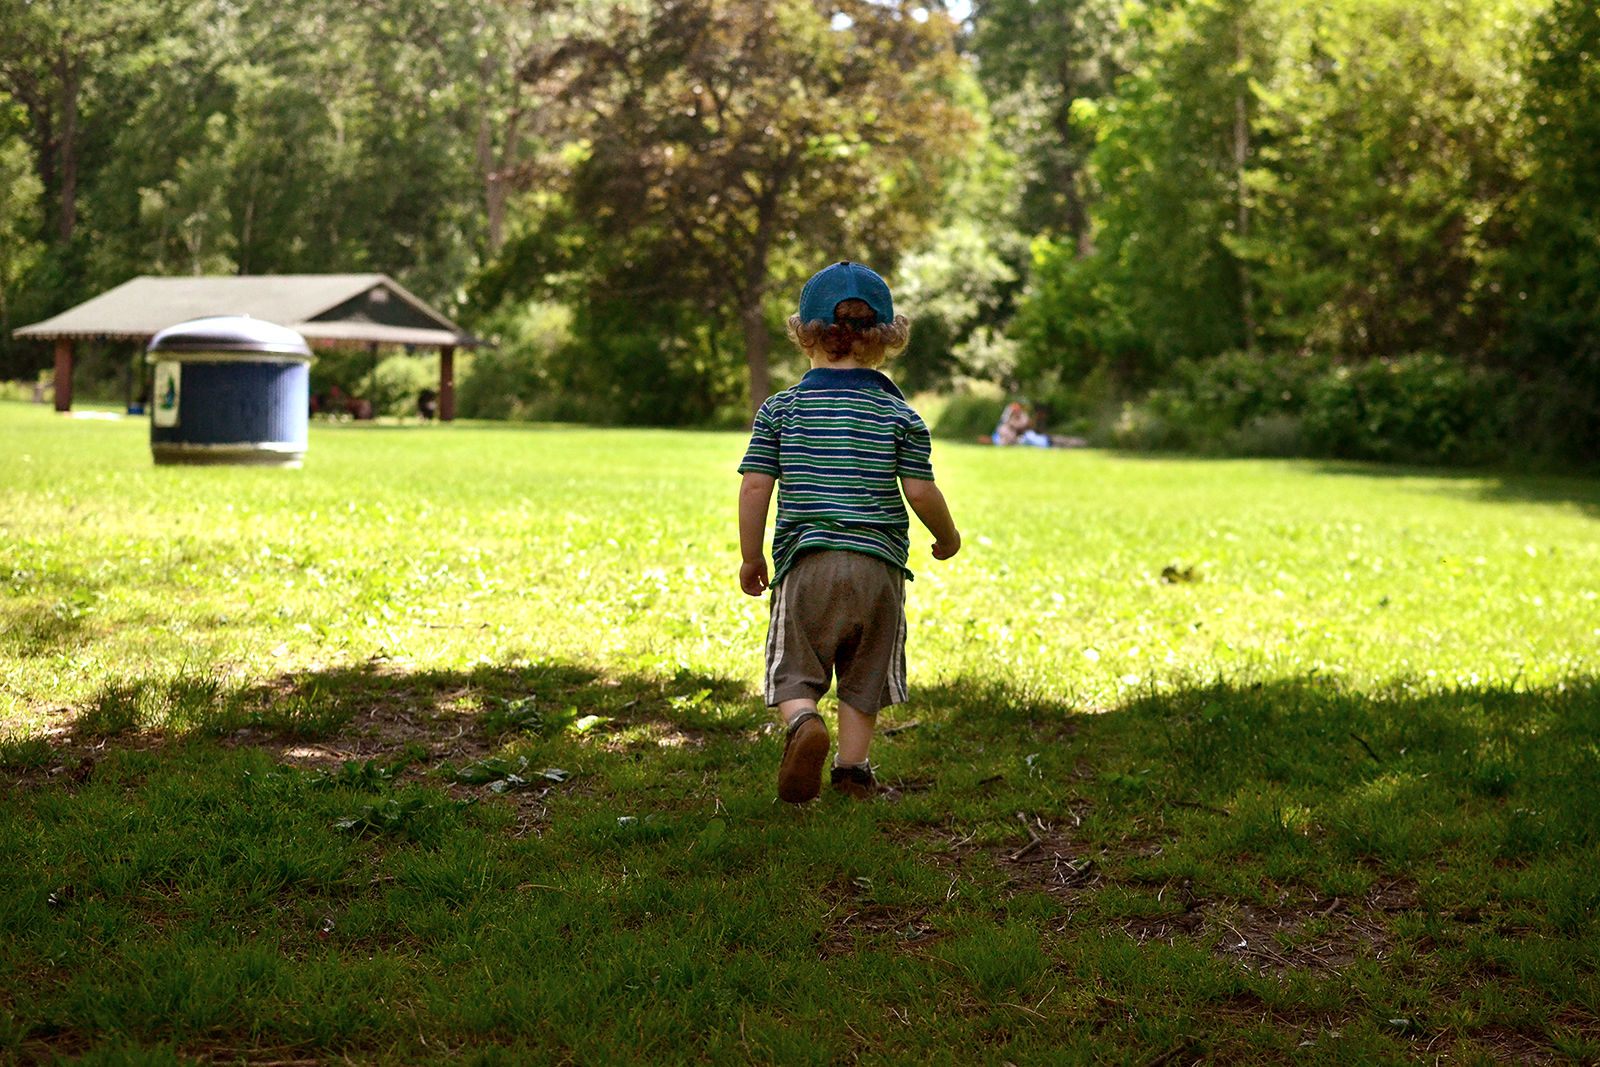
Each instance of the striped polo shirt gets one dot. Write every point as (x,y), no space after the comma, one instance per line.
(838,442)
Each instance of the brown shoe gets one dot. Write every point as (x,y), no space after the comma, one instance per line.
(857,782)
(804,751)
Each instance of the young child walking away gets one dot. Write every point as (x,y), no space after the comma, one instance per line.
(841,446)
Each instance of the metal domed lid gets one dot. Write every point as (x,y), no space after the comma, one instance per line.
(230,333)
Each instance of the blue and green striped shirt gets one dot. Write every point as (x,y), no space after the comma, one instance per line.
(838,442)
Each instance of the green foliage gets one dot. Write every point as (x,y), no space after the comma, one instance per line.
(20,216)
(969,416)
(1416,409)
(1039,57)
(1554,272)
(742,145)
(1421,408)
(1073,322)
(521,377)
(952,291)
(397,380)
(1347,183)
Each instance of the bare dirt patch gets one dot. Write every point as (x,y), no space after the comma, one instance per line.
(852,920)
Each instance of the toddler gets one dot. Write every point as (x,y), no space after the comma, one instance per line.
(841,446)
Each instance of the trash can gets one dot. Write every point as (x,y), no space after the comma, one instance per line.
(229,390)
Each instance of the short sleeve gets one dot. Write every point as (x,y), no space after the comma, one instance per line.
(915,452)
(762,455)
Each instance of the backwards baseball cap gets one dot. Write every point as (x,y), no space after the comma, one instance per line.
(830,286)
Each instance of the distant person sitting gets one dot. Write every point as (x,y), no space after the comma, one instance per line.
(1016,428)
(428,404)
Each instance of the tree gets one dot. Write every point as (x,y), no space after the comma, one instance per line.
(1037,58)
(1322,178)
(20,190)
(736,141)
(1553,269)
(53,52)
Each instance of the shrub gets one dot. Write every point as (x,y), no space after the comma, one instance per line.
(512,381)
(967,416)
(1420,409)
(394,383)
(1239,403)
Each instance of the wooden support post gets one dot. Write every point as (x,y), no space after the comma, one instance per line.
(447,383)
(63,374)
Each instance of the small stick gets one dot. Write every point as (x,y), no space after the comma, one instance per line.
(1200,807)
(1034,839)
(1366,746)
(902,728)
(1168,1056)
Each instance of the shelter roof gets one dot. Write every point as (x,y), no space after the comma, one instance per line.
(327,308)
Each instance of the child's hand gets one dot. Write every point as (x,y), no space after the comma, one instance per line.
(946,549)
(753,576)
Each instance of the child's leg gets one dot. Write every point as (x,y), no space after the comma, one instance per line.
(805,750)
(788,709)
(855,735)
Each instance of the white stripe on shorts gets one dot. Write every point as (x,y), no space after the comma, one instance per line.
(897,670)
(775,627)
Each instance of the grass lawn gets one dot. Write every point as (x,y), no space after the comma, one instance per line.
(447,747)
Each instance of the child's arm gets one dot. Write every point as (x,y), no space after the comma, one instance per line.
(755,495)
(926,500)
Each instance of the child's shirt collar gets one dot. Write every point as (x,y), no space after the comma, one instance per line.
(849,378)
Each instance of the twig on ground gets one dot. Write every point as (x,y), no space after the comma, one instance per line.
(1200,807)
(1366,746)
(1174,1052)
(1034,839)
(902,728)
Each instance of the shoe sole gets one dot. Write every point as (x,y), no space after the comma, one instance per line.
(800,775)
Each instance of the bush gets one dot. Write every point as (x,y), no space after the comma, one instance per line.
(1239,403)
(512,381)
(394,383)
(967,416)
(1418,409)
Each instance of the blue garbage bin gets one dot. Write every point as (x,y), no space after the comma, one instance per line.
(229,390)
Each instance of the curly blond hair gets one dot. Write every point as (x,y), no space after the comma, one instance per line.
(849,337)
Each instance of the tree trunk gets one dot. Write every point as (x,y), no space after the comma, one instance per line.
(757,342)
(1241,158)
(1077,219)
(496,168)
(67,71)
(757,347)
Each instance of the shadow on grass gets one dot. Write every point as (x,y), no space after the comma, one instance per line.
(42,629)
(660,885)
(1488,485)
(1366,773)
(316,704)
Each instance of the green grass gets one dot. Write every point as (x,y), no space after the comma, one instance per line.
(1332,800)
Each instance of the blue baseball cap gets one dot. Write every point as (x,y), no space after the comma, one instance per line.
(830,286)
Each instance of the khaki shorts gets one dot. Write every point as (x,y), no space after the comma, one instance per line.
(838,611)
